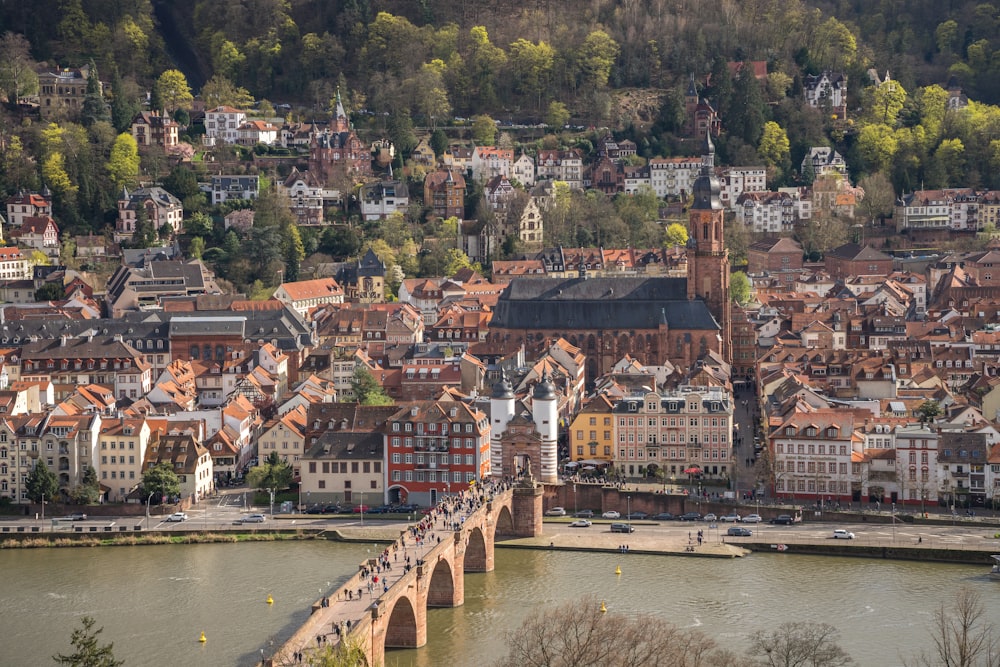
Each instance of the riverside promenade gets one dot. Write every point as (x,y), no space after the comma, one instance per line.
(357,608)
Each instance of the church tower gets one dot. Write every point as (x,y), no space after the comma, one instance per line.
(707,257)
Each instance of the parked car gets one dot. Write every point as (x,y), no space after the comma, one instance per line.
(611,514)
(689,516)
(783,520)
(254,518)
(315,509)
(622,528)
(555,511)
(739,531)
(581,523)
(585,514)
(752,518)
(710,517)
(359,509)
(333,509)
(730,518)
(177,516)
(406,509)
(637,515)
(841,534)
(664,516)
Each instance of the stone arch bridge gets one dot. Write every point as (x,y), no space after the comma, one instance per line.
(398,617)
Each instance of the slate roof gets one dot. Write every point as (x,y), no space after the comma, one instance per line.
(588,303)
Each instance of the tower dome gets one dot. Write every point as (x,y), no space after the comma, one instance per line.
(544,390)
(707,188)
(502,389)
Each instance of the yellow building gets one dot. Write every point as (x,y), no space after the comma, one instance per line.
(591,435)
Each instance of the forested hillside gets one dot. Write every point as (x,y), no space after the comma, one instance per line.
(623,64)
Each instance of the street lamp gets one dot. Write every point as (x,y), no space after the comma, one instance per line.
(574,499)
(148,500)
(628,509)
(894,523)
(271,491)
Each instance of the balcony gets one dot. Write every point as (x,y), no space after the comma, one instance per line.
(430,465)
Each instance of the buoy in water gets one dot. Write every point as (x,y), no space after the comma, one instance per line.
(618,569)
(202,638)
(604,608)
(270,600)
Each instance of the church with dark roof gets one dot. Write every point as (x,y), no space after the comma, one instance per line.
(650,318)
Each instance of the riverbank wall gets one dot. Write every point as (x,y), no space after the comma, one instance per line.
(881,552)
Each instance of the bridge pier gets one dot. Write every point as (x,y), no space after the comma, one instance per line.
(526,506)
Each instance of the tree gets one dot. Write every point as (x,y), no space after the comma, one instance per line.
(595,58)
(199,224)
(197,248)
(578,634)
(737,240)
(439,142)
(877,144)
(878,198)
(173,89)
(42,483)
(366,390)
(557,116)
(774,147)
(123,164)
(273,474)
(677,234)
(929,411)
(17,69)
(144,235)
(484,130)
(799,643)
(531,65)
(220,91)
(49,292)
(124,101)
(161,480)
(89,490)
(94,108)
(88,653)
(888,99)
(740,288)
(962,635)
(746,117)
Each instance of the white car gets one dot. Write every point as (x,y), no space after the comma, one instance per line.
(730,518)
(611,514)
(254,518)
(177,516)
(581,523)
(841,534)
(709,517)
(556,511)
(752,518)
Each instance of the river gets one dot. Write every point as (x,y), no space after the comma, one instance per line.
(154,601)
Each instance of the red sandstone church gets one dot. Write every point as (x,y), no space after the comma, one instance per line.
(649,318)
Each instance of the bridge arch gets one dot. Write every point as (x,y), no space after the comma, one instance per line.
(505,522)
(401,629)
(475,552)
(442,589)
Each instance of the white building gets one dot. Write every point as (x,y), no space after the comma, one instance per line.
(223,124)
(673,176)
